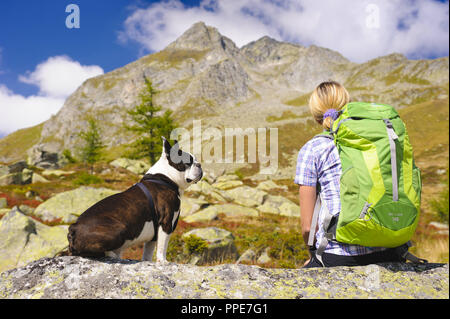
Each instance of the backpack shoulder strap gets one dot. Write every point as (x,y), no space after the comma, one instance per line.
(325,134)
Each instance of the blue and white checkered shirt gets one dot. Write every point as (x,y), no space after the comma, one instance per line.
(318,161)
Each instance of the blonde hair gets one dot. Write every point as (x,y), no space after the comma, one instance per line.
(327,95)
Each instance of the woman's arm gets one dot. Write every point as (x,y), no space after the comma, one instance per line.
(307,203)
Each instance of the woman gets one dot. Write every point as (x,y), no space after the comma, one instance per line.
(318,163)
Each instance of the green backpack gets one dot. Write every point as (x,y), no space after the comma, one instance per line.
(380,186)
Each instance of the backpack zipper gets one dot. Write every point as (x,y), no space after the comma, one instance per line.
(392,137)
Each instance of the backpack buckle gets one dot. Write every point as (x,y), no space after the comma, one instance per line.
(365,211)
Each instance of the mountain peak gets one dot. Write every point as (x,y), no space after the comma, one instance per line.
(201,37)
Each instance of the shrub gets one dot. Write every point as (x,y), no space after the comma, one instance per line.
(86,179)
(68,155)
(194,244)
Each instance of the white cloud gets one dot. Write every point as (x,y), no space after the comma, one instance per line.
(57,78)
(60,76)
(359,29)
(19,111)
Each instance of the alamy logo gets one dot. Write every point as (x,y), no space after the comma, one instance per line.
(233,145)
(73,19)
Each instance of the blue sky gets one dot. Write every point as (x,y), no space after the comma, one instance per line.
(35,42)
(32,31)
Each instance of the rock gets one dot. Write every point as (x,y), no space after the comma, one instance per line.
(279,205)
(212,174)
(264,258)
(23,240)
(236,210)
(30,194)
(190,205)
(220,244)
(204,215)
(202,187)
(69,205)
(70,277)
(38,179)
(56,172)
(4,170)
(17,173)
(10,179)
(227,178)
(27,176)
(247,257)
(289,209)
(137,167)
(3,202)
(4,211)
(438,226)
(17,167)
(25,209)
(270,185)
(227,184)
(247,196)
(44,156)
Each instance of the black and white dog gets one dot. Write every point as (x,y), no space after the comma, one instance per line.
(128,218)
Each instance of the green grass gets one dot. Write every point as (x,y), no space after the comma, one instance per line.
(108,81)
(440,203)
(15,145)
(174,57)
(284,116)
(427,125)
(84,178)
(299,101)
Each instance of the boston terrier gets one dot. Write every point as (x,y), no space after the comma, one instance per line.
(145,213)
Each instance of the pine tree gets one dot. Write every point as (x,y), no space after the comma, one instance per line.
(91,151)
(149,125)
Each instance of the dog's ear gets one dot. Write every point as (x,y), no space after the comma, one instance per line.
(166,145)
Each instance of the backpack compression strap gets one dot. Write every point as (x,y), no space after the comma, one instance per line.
(328,234)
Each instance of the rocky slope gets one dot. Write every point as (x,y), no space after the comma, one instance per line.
(204,75)
(75,277)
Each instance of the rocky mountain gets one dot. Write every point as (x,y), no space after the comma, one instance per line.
(204,75)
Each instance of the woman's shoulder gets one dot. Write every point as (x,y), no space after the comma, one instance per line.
(318,142)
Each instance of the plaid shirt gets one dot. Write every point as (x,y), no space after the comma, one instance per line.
(318,161)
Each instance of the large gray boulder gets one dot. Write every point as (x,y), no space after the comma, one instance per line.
(75,277)
(190,205)
(67,206)
(46,156)
(247,196)
(23,240)
(212,211)
(274,204)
